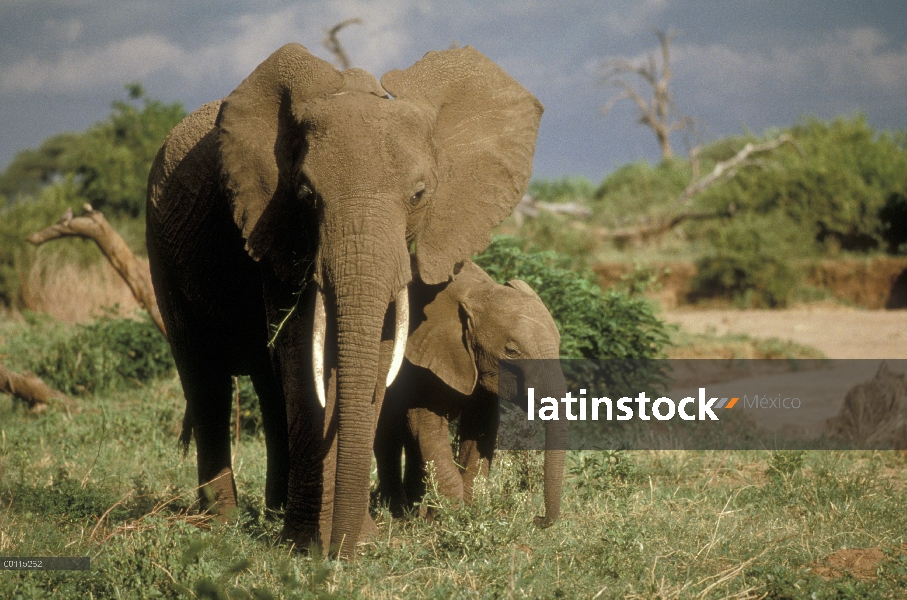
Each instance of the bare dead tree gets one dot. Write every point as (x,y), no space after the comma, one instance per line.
(32,390)
(659,112)
(94,226)
(332,42)
(723,171)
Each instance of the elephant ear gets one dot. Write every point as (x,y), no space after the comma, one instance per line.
(258,132)
(522,286)
(485,132)
(439,342)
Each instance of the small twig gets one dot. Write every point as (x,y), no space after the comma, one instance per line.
(107,512)
(100,444)
(332,42)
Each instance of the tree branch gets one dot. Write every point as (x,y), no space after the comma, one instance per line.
(728,168)
(92,225)
(332,42)
(648,230)
(722,171)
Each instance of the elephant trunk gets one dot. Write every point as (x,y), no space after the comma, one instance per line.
(555,445)
(364,271)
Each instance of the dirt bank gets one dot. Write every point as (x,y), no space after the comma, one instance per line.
(837,332)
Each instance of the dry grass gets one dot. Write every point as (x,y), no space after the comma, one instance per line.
(74,293)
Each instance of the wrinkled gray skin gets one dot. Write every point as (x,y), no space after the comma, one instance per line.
(461,331)
(305,178)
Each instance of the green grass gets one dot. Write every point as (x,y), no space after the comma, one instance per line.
(686,344)
(109,482)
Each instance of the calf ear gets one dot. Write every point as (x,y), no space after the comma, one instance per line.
(519,284)
(439,343)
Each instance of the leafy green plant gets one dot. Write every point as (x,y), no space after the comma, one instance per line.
(563,189)
(785,463)
(593,324)
(109,162)
(639,188)
(749,261)
(601,470)
(106,354)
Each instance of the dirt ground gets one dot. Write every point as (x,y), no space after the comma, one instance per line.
(837,332)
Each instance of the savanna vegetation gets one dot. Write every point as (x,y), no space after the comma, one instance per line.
(840,190)
(108,480)
(109,483)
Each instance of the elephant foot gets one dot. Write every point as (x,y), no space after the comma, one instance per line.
(303,540)
(369,530)
(544,522)
(218,496)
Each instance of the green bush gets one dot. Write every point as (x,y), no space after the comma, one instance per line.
(835,187)
(749,262)
(106,354)
(593,324)
(21,219)
(109,162)
(563,189)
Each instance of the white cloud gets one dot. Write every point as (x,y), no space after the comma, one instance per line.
(377,45)
(70,30)
(77,70)
(854,59)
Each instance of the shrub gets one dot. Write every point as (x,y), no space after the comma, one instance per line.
(23,218)
(593,324)
(639,188)
(106,354)
(749,261)
(563,189)
(835,190)
(109,162)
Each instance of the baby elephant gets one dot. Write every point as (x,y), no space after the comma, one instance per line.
(458,332)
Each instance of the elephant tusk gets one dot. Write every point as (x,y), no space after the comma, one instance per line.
(318,333)
(400,335)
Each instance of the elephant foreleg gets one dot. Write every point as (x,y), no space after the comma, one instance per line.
(389,443)
(430,431)
(477,433)
(274,418)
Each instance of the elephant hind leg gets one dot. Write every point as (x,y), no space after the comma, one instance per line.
(208,398)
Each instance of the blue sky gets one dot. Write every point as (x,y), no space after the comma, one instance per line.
(737,63)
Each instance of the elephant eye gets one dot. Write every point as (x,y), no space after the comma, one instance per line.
(511,350)
(417,195)
(303,193)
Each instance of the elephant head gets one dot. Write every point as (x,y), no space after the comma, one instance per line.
(435,165)
(471,325)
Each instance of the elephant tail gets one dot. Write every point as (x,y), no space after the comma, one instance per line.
(186,433)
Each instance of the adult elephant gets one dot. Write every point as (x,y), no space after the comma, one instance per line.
(286,213)
(461,332)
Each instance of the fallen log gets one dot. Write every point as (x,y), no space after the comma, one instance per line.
(94,226)
(29,388)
